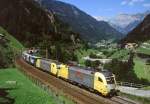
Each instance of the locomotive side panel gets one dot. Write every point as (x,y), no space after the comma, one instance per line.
(45,65)
(82,77)
(63,72)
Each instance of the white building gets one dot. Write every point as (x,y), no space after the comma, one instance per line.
(131,45)
(101,60)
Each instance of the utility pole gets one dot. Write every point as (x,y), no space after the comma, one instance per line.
(46,53)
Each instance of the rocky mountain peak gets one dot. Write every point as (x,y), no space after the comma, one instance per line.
(81,22)
(141,33)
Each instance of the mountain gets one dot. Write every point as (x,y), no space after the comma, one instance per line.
(89,28)
(33,26)
(24,20)
(125,23)
(30,23)
(140,33)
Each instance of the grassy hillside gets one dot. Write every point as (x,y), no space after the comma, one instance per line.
(13,43)
(120,54)
(23,91)
(9,47)
(141,69)
(139,34)
(144,48)
(81,53)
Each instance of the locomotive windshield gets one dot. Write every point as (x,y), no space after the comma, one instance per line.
(110,80)
(109,76)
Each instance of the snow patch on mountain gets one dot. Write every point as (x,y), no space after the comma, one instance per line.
(123,20)
(100,18)
(124,23)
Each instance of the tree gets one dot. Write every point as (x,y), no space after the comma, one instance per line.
(148,62)
(119,68)
(45,46)
(88,63)
(130,60)
(92,55)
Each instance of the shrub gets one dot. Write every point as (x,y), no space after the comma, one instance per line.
(92,55)
(148,62)
(88,63)
(122,70)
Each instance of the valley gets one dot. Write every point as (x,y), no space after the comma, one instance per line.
(63,32)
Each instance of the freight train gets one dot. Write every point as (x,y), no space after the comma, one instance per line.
(102,82)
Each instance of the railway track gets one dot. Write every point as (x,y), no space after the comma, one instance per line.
(78,95)
(121,100)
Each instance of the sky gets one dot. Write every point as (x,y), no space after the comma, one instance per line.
(110,8)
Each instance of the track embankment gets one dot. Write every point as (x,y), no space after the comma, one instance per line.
(78,95)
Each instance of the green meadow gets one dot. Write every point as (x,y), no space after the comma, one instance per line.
(20,90)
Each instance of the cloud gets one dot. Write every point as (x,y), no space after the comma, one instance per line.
(146,5)
(131,2)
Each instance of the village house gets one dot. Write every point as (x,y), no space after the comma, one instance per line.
(131,45)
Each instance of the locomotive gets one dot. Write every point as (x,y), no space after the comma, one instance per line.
(102,82)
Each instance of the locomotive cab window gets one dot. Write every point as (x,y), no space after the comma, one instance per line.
(110,80)
(99,79)
(58,67)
